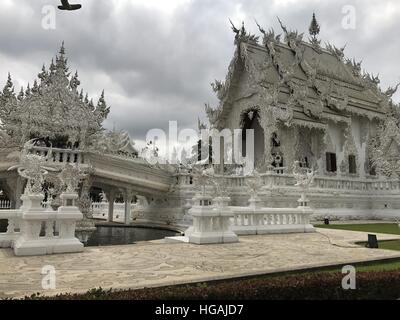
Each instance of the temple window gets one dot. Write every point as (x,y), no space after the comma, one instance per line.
(275,140)
(352,164)
(251,120)
(372,169)
(304,163)
(278,163)
(331,162)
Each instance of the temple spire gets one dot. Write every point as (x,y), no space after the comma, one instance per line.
(9,87)
(21,94)
(102,109)
(62,61)
(314,28)
(62,49)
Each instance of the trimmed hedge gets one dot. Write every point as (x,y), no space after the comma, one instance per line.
(308,286)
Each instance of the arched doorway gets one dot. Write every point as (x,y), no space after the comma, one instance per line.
(250,120)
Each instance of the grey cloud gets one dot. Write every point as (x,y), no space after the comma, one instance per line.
(157,67)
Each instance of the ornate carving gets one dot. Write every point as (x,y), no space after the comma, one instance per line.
(283,115)
(219,88)
(241,35)
(71,176)
(370,81)
(203,177)
(355,67)
(53,108)
(292,37)
(385,149)
(114,143)
(269,38)
(350,148)
(213,115)
(304,176)
(338,53)
(391,91)
(254,182)
(314,31)
(33,167)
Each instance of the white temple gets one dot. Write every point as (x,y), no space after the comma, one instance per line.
(311,104)
(308,105)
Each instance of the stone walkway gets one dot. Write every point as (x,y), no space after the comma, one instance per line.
(156,263)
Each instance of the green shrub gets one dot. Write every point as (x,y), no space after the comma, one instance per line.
(308,286)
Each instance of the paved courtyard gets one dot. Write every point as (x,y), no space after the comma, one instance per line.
(156,263)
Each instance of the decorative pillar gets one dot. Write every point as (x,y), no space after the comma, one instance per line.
(128,205)
(268,123)
(304,179)
(211,223)
(221,155)
(18,192)
(111,200)
(67,216)
(29,243)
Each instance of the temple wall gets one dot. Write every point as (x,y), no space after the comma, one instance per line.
(336,135)
(360,130)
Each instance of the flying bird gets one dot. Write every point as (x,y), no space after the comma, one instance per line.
(66,6)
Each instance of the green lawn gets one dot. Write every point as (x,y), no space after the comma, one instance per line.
(389,228)
(374,266)
(388,245)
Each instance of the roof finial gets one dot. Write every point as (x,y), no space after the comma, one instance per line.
(282,26)
(62,49)
(314,28)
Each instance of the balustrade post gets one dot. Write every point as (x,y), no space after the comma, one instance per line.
(211,223)
(111,200)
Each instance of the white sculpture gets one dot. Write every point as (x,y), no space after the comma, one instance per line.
(33,215)
(304,179)
(254,182)
(71,176)
(203,177)
(33,167)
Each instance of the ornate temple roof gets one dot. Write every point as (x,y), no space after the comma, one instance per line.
(315,83)
(53,107)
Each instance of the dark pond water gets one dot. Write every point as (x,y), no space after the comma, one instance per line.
(108,236)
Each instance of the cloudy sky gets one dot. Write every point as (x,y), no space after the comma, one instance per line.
(156,58)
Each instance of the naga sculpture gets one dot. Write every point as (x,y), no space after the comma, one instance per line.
(33,167)
(304,179)
(71,176)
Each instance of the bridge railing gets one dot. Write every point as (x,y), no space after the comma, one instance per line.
(60,156)
(248,220)
(13,218)
(5,204)
(100,211)
(320,182)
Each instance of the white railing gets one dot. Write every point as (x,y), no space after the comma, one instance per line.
(5,204)
(247,220)
(42,231)
(100,211)
(320,182)
(13,218)
(61,155)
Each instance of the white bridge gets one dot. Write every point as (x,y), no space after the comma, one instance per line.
(113,174)
(164,197)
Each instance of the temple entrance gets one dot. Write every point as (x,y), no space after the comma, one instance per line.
(251,120)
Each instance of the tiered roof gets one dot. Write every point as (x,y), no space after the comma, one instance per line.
(52,108)
(313,84)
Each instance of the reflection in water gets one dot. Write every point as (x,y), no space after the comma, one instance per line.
(106,236)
